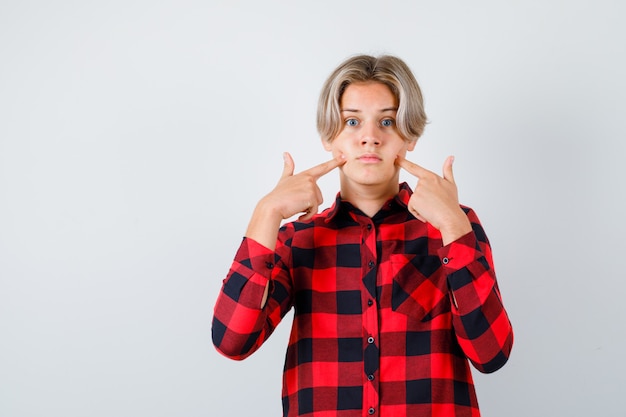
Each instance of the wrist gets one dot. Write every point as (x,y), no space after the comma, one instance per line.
(455,229)
(267,209)
(264,224)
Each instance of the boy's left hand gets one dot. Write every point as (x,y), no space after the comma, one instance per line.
(435,200)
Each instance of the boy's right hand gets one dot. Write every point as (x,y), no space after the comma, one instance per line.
(298,193)
(293,194)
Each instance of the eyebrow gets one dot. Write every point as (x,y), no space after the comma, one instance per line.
(358,111)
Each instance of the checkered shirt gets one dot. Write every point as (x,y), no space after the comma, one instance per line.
(386,318)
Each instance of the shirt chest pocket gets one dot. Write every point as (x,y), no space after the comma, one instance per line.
(418,287)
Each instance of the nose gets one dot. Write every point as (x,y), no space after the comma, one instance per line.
(370,135)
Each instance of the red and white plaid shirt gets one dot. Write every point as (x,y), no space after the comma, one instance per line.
(385,318)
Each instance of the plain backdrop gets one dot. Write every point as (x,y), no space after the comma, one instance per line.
(137,136)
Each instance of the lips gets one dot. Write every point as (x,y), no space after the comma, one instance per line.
(369,158)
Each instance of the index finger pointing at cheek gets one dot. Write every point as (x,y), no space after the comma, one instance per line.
(325,167)
(411,167)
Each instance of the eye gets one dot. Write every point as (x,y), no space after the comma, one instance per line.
(387,122)
(352,122)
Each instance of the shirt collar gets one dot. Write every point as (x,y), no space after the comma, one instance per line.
(340,205)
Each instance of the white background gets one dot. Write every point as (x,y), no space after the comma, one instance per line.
(136,137)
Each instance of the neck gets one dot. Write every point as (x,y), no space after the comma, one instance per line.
(367,198)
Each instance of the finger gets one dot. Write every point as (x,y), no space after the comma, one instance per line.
(325,167)
(411,167)
(306,217)
(319,196)
(308,214)
(288,166)
(312,206)
(447,169)
(417,215)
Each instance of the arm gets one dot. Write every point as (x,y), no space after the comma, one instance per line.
(256,294)
(240,324)
(481,324)
(480,321)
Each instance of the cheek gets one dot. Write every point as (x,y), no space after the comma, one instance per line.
(402,150)
(337,151)
(337,148)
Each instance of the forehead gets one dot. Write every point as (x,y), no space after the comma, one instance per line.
(365,94)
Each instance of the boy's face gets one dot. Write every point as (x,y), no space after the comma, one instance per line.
(369,139)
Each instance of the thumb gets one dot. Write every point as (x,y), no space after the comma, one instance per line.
(288,166)
(447,169)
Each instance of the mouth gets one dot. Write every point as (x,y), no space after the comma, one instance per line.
(369,158)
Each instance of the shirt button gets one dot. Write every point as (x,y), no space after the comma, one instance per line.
(371,411)
(445,261)
(269,265)
(370,340)
(369,227)
(370,302)
(370,377)
(370,264)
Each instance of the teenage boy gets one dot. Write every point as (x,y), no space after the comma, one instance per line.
(394,291)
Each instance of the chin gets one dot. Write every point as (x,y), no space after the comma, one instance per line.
(370,175)
(374,180)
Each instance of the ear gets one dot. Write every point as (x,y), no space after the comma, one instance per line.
(411,145)
(327,145)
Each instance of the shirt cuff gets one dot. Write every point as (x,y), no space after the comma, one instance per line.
(256,257)
(460,253)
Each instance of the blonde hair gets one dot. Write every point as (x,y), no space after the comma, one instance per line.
(385,69)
